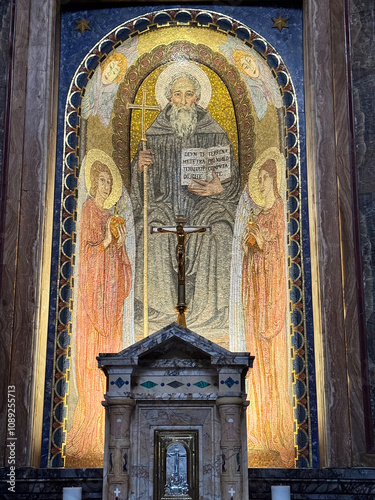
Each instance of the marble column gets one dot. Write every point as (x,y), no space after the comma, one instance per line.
(231,411)
(116,459)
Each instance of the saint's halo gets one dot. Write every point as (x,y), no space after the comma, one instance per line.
(253,182)
(97,154)
(183,68)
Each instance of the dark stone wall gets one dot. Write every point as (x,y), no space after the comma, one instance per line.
(314,484)
(305,484)
(362,27)
(48,484)
(5,49)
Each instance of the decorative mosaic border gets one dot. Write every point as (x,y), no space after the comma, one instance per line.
(137,26)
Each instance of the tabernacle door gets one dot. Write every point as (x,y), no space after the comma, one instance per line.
(176,465)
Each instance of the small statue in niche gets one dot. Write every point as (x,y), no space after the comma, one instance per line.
(238,462)
(125,464)
(224,459)
(111,463)
(230,429)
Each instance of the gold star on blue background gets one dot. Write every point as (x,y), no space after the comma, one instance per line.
(82,25)
(280,22)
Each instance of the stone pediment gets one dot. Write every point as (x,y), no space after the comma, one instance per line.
(175,363)
(175,345)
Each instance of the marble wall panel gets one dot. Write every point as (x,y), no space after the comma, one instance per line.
(6,28)
(340,408)
(347,208)
(10,217)
(30,140)
(6,24)
(362,24)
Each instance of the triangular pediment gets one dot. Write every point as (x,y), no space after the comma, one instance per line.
(173,342)
(174,348)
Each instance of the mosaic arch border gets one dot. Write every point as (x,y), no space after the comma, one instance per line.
(63,322)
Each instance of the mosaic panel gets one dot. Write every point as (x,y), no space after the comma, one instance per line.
(260,124)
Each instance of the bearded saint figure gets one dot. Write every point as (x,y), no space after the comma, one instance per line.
(183,123)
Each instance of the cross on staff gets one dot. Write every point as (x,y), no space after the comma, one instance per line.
(181,232)
(144,107)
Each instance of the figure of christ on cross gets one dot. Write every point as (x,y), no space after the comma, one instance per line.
(181,232)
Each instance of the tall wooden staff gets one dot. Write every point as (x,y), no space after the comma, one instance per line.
(143,107)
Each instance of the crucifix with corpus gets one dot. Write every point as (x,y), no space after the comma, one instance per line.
(181,232)
(144,107)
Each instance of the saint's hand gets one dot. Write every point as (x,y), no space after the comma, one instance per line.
(207,188)
(251,236)
(145,160)
(122,235)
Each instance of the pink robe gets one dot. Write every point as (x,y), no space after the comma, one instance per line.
(270,415)
(105,279)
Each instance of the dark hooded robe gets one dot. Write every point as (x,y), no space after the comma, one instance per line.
(208,255)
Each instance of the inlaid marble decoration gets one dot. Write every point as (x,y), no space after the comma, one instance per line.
(184,112)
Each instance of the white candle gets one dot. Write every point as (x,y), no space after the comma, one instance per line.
(280,492)
(72,493)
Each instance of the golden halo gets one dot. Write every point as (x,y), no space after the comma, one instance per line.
(189,68)
(253,183)
(97,154)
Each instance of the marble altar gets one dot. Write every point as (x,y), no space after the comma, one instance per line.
(175,383)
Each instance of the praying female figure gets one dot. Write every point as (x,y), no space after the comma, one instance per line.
(104,282)
(264,299)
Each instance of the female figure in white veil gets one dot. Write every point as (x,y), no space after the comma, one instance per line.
(103,300)
(258,317)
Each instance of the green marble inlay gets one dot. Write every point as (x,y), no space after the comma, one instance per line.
(149,384)
(202,384)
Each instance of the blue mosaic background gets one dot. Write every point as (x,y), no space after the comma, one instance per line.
(74,46)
